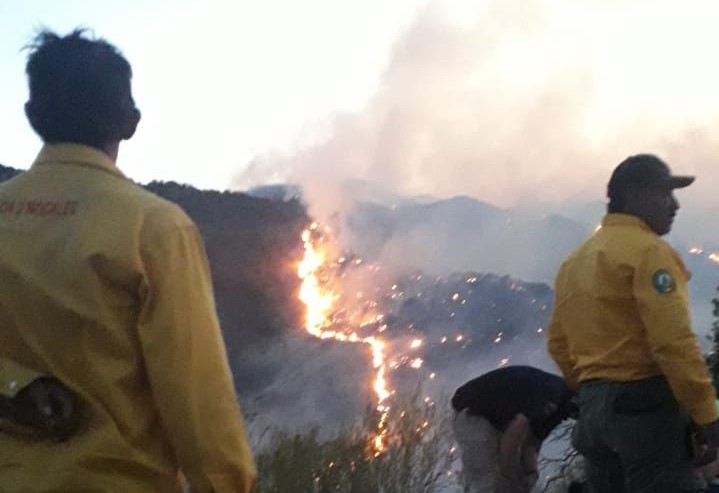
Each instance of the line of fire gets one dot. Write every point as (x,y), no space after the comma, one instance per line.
(332,313)
(321,320)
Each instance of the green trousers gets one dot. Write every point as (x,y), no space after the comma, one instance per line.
(635,438)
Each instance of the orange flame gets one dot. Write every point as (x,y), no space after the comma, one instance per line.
(712,256)
(320,306)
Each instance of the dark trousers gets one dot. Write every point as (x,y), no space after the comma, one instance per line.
(635,438)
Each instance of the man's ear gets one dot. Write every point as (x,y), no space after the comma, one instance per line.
(632,197)
(132,119)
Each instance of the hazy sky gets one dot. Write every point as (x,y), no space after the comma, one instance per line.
(512,101)
(526,102)
(218,81)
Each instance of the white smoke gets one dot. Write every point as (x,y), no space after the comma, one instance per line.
(528,103)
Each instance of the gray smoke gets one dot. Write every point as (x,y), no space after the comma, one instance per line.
(510,109)
(520,110)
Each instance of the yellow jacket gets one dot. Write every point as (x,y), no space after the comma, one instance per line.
(106,287)
(622,313)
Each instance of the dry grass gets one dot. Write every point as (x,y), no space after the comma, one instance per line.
(418,459)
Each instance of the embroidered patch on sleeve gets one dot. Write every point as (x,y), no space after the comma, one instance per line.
(663,282)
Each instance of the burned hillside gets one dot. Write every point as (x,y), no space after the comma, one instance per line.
(253,245)
(465,322)
(7,173)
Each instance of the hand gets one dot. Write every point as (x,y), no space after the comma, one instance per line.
(709,433)
(48,408)
(707,443)
(704,455)
(517,457)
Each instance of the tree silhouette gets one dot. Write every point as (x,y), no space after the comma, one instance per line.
(713,356)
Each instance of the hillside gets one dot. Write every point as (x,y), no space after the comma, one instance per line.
(461,234)
(285,376)
(7,173)
(252,244)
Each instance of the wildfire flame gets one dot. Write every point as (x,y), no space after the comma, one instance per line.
(713,256)
(320,307)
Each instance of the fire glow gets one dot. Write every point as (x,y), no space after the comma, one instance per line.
(351,300)
(320,306)
(712,256)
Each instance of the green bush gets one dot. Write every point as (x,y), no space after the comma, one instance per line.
(713,357)
(418,457)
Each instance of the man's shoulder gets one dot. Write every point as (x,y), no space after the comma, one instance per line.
(130,192)
(589,245)
(148,200)
(163,211)
(155,213)
(637,244)
(621,244)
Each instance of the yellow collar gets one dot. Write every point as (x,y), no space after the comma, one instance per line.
(617,219)
(78,154)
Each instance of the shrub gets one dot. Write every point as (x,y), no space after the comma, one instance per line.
(418,458)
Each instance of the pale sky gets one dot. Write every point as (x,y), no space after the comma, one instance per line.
(217,81)
(511,101)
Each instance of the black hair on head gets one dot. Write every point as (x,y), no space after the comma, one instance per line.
(79,88)
(615,205)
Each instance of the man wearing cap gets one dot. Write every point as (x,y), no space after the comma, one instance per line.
(621,334)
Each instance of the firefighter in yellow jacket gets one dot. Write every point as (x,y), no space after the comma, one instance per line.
(621,333)
(106,289)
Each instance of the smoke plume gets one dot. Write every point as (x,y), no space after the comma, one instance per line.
(524,105)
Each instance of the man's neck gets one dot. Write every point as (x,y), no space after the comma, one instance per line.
(111,150)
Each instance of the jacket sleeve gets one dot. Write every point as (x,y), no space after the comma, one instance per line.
(557,342)
(187,366)
(14,377)
(660,289)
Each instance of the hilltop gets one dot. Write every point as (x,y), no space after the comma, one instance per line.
(285,376)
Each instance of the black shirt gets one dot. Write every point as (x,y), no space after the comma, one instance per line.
(501,394)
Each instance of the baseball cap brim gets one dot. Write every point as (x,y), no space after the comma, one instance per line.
(680,181)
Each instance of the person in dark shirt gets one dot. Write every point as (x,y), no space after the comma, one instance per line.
(489,411)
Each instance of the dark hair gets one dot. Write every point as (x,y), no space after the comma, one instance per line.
(615,205)
(79,88)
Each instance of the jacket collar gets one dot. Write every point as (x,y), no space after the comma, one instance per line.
(76,154)
(617,219)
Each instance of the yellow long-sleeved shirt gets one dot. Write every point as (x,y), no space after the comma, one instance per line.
(621,313)
(106,287)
